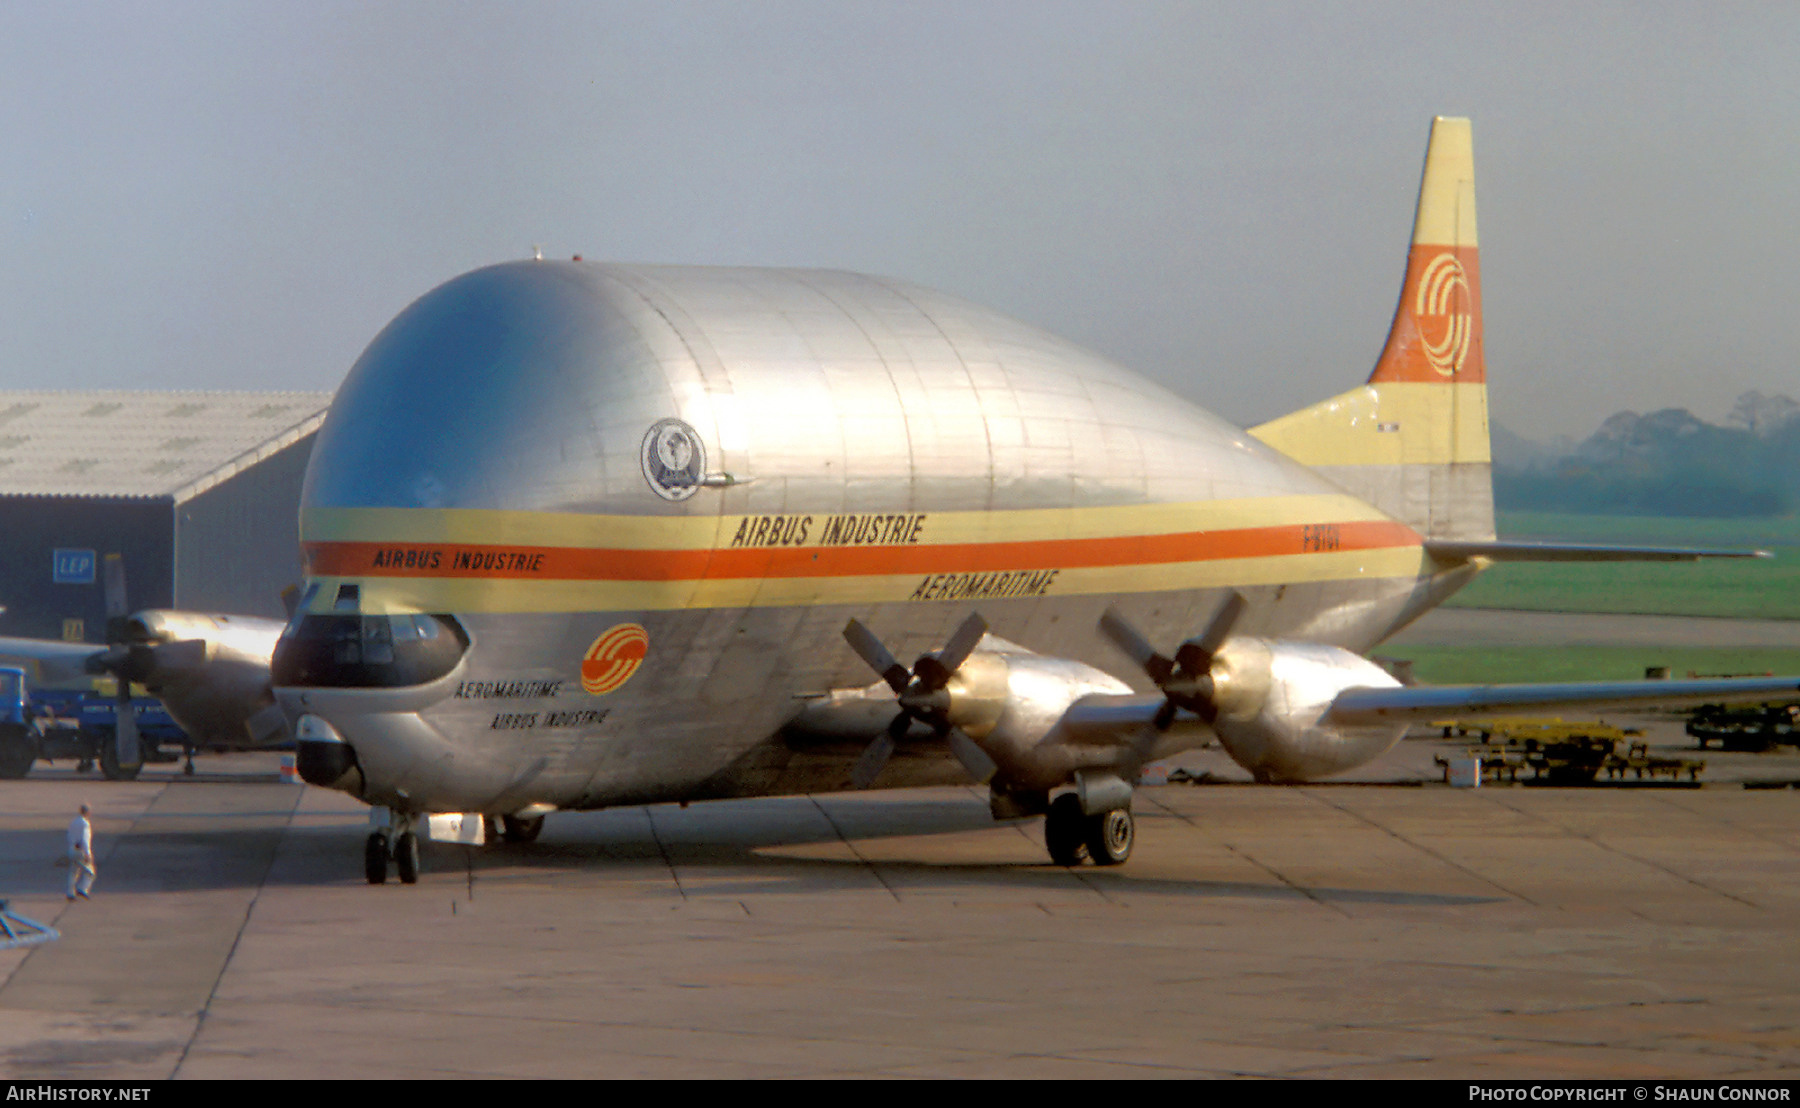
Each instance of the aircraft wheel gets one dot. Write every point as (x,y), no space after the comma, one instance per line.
(1109,836)
(375,858)
(17,752)
(1063,830)
(516,830)
(110,766)
(406,858)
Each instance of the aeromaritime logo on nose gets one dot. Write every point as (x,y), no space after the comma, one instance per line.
(1445,299)
(613,658)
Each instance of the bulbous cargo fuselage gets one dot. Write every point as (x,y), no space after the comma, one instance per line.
(586,534)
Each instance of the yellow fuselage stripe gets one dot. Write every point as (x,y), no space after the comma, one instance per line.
(450,560)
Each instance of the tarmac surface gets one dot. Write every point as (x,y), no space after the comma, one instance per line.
(1319,931)
(1387,926)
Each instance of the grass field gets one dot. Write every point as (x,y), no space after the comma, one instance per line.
(1756,589)
(1466,665)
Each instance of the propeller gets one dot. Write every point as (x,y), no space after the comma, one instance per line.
(125,727)
(134,655)
(1185,680)
(921,692)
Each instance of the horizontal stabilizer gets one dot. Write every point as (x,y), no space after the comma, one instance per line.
(1445,550)
(1377,705)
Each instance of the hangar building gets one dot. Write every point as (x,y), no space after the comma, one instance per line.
(199,492)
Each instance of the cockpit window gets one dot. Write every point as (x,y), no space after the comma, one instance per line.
(301,605)
(361,651)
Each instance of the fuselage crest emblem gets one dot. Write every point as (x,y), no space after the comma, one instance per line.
(674,459)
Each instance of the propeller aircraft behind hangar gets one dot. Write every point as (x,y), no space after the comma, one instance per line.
(210,670)
(586,535)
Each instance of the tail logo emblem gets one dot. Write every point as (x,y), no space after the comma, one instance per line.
(613,658)
(1445,299)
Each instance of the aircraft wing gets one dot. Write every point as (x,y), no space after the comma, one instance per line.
(1109,720)
(57,662)
(1377,705)
(1446,550)
(859,715)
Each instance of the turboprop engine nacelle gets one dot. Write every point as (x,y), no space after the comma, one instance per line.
(1003,711)
(210,671)
(1272,697)
(1010,701)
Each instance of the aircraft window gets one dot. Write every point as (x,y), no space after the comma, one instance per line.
(349,598)
(9,686)
(346,642)
(301,605)
(350,651)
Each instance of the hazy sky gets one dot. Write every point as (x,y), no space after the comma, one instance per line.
(239,195)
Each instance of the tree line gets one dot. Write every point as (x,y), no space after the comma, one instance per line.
(1670,462)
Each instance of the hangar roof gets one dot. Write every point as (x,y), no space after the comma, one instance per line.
(111,442)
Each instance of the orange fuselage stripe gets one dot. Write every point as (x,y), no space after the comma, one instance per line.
(561,563)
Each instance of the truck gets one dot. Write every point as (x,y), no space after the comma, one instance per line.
(48,724)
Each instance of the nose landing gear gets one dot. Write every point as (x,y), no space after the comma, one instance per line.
(406,858)
(375,858)
(398,844)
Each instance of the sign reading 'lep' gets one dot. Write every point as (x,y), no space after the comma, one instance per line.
(72,567)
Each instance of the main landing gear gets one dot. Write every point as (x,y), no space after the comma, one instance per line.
(110,767)
(1071,834)
(399,844)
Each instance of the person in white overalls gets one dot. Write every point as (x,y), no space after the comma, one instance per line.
(81,855)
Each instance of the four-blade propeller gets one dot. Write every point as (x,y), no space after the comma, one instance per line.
(131,657)
(921,692)
(1186,679)
(115,659)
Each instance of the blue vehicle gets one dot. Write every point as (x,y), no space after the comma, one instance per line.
(18,746)
(72,723)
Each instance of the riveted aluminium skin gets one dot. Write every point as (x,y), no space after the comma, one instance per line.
(872,450)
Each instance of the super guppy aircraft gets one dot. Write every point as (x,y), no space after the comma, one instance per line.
(583,535)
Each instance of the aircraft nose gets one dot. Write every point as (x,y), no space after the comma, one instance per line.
(381,747)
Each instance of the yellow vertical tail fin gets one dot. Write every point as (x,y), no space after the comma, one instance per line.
(1414,440)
